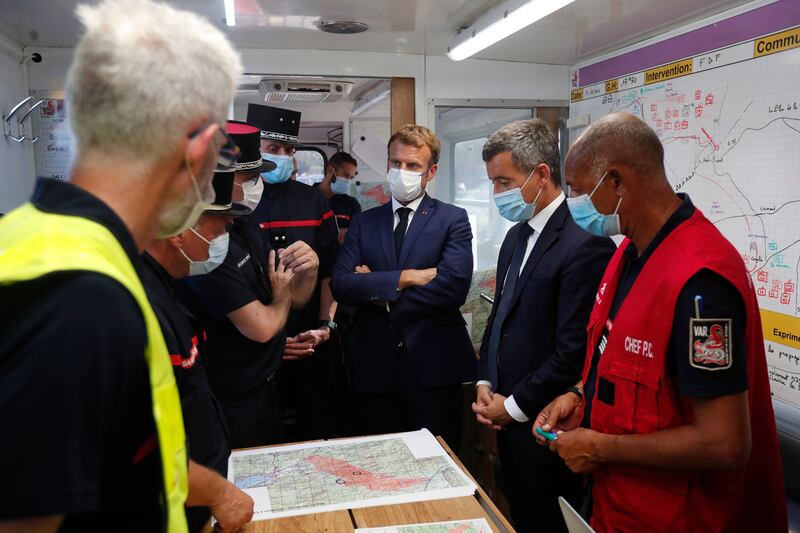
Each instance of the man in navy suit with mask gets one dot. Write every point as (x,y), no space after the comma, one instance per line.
(534,346)
(406,267)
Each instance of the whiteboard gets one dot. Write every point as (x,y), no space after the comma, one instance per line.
(729,120)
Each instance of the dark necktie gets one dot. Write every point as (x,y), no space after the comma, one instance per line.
(400,230)
(506,298)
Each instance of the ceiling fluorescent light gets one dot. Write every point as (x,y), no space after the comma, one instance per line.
(370,101)
(230,13)
(499,23)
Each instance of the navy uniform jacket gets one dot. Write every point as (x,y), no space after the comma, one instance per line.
(543,340)
(237,365)
(206,432)
(290,212)
(425,319)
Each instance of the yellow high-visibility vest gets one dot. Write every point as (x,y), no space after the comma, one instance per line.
(34,243)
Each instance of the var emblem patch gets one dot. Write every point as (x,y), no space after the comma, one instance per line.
(710,343)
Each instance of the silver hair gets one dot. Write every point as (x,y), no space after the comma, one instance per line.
(530,142)
(142,75)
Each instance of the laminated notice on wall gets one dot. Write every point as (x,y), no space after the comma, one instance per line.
(55,150)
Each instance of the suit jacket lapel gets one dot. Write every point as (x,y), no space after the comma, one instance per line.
(386,231)
(421,217)
(504,260)
(548,237)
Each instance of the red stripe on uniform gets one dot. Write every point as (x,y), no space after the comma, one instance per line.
(175,360)
(345,217)
(296,223)
(145,449)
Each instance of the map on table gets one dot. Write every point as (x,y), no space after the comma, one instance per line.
(347,473)
(477,525)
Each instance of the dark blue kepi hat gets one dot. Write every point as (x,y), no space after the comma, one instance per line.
(248,138)
(223,194)
(276,124)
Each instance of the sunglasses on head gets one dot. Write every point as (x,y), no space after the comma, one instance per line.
(229,153)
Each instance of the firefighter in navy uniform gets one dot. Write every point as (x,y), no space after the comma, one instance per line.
(290,212)
(335,186)
(196,252)
(244,303)
(677,429)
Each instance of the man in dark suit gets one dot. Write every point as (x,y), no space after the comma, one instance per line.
(535,340)
(406,267)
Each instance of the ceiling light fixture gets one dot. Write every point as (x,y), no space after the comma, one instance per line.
(502,21)
(370,100)
(230,13)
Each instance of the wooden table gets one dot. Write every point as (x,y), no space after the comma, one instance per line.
(477,506)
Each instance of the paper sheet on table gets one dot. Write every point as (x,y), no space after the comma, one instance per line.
(341,474)
(476,525)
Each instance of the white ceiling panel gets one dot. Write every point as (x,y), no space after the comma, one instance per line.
(584,28)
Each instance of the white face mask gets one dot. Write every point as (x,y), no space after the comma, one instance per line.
(404,184)
(340,186)
(173,221)
(217,250)
(253,189)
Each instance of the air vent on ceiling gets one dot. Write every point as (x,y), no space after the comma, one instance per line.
(303,91)
(342,27)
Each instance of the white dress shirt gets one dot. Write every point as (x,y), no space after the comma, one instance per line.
(414,205)
(537,222)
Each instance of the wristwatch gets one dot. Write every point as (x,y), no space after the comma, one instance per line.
(577,391)
(330,324)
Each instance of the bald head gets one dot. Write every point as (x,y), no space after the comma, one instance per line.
(619,140)
(619,162)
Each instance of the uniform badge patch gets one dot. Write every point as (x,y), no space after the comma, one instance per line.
(710,343)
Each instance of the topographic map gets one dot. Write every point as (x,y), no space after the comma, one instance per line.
(478,525)
(373,194)
(342,474)
(731,136)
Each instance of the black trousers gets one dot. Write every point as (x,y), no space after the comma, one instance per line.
(533,479)
(253,418)
(410,406)
(313,395)
(197,518)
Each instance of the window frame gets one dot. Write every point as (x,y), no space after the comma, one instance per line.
(309,148)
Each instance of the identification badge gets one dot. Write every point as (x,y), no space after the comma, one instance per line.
(710,343)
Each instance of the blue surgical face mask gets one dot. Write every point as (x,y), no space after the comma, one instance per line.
(512,205)
(217,250)
(586,215)
(340,186)
(282,172)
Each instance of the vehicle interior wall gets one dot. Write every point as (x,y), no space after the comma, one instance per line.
(16,169)
(436,78)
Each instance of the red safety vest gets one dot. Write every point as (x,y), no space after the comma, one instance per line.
(635,498)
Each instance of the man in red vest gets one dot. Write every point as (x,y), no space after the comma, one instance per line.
(673,415)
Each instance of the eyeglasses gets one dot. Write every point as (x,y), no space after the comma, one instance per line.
(229,152)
